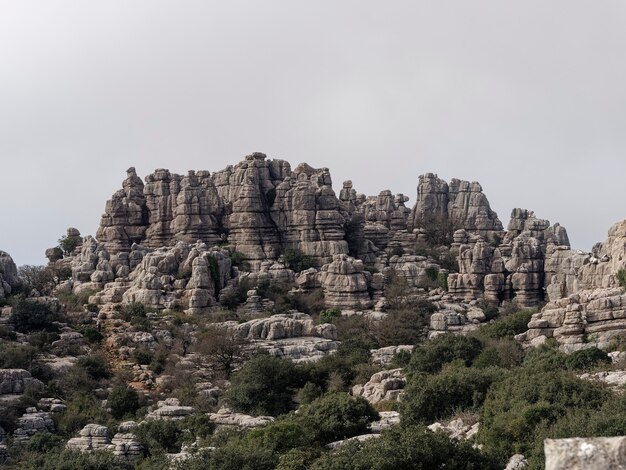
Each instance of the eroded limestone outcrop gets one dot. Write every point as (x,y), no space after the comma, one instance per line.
(8,275)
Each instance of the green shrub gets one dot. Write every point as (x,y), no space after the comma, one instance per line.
(72,460)
(82,408)
(621,277)
(95,365)
(506,325)
(298,459)
(336,416)
(432,272)
(309,393)
(517,407)
(69,244)
(91,334)
(432,355)
(28,316)
(296,260)
(353,230)
(143,355)
(505,352)
(401,359)
(410,447)
(45,442)
(330,315)
(236,454)
(265,385)
(587,358)
(123,401)
(429,398)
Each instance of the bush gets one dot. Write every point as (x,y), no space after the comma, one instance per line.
(506,353)
(587,358)
(621,277)
(95,366)
(431,356)
(507,325)
(429,398)
(519,405)
(40,278)
(296,260)
(123,401)
(338,416)
(410,447)
(69,244)
(265,385)
(72,460)
(329,315)
(82,408)
(143,356)
(28,316)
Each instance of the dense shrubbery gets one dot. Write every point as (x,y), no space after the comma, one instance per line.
(123,401)
(432,355)
(265,385)
(621,277)
(28,315)
(297,260)
(507,325)
(411,447)
(430,398)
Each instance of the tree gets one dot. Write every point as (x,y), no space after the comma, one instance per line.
(28,315)
(265,385)
(222,347)
(296,259)
(39,278)
(431,356)
(123,401)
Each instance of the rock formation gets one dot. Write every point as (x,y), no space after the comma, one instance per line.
(512,270)
(8,275)
(591,453)
(386,385)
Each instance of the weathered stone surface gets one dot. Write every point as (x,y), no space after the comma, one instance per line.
(383,356)
(600,453)
(33,422)
(228,418)
(17,381)
(517,462)
(457,429)
(461,202)
(95,437)
(386,385)
(170,409)
(588,318)
(345,283)
(281,326)
(8,275)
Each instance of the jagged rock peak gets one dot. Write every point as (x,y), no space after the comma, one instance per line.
(460,201)
(8,275)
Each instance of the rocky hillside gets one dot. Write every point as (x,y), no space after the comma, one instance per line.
(208,308)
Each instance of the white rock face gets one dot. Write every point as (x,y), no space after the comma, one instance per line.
(386,385)
(170,409)
(95,437)
(383,356)
(8,275)
(227,417)
(456,429)
(517,462)
(600,453)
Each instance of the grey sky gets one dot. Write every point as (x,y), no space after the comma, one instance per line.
(527,97)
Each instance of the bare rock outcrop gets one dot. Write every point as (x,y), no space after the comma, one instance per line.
(228,418)
(18,381)
(590,453)
(170,409)
(345,283)
(95,437)
(33,422)
(460,202)
(386,385)
(8,275)
(588,318)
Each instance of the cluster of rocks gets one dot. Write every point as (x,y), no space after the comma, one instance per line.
(33,422)
(170,409)
(457,429)
(293,335)
(18,381)
(95,437)
(595,313)
(511,266)
(590,453)
(386,385)
(226,418)
(387,420)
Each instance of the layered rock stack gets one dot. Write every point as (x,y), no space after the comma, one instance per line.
(512,270)
(8,275)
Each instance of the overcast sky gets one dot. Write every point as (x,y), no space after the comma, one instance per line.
(526,97)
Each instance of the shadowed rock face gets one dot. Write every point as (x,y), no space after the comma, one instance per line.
(8,275)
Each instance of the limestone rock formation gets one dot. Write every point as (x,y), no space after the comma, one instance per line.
(95,437)
(8,275)
(170,409)
(588,318)
(228,418)
(513,270)
(345,283)
(386,385)
(33,422)
(461,203)
(18,381)
(599,453)
(457,429)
